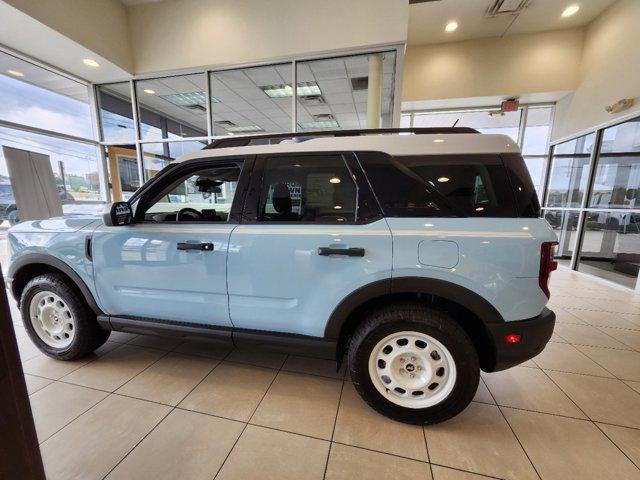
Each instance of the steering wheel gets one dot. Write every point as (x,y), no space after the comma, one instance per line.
(188,210)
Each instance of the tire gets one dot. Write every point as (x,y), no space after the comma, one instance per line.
(74,331)
(386,330)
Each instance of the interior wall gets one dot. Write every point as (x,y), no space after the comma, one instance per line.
(498,66)
(610,71)
(98,25)
(189,33)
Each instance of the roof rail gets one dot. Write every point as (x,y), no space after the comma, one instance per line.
(242,141)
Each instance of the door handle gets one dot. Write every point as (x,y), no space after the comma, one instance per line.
(349,252)
(195,246)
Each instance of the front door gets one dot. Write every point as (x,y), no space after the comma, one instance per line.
(314,235)
(170,264)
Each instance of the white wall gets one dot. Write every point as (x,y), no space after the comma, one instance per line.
(610,70)
(189,33)
(498,66)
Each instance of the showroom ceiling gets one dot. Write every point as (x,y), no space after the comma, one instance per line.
(427,20)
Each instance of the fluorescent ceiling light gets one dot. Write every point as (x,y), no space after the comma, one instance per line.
(149,91)
(451,26)
(443,179)
(244,128)
(15,73)
(305,89)
(91,63)
(319,124)
(570,10)
(334,180)
(188,99)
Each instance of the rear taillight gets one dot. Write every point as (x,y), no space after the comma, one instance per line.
(547,265)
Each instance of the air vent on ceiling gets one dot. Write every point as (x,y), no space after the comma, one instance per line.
(322,117)
(506,7)
(312,101)
(197,108)
(359,83)
(225,123)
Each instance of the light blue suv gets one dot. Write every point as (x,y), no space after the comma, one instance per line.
(419,257)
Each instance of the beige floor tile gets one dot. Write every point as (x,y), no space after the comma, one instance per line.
(156,341)
(272,455)
(565,448)
(603,399)
(114,369)
(482,394)
(569,302)
(565,317)
(567,358)
(530,389)
(170,379)
(35,383)
(604,319)
(122,337)
(351,463)
(361,426)
(186,445)
(257,357)
(93,444)
(27,349)
(587,335)
(634,385)
(479,440)
(214,350)
(557,338)
(56,405)
(19,331)
(300,403)
(624,364)
(627,439)
(444,473)
(314,366)
(617,306)
(633,318)
(630,338)
(231,390)
(48,367)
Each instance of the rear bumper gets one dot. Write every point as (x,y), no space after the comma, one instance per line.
(535,333)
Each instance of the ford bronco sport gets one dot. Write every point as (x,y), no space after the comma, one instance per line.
(421,258)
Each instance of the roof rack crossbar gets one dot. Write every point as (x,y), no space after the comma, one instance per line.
(245,140)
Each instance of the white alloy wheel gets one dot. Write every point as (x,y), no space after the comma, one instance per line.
(412,369)
(52,319)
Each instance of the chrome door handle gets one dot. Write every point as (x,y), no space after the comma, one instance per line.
(349,252)
(195,246)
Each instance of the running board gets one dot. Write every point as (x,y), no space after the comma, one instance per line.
(240,337)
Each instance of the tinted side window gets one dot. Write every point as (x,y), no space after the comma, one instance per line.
(444,185)
(525,193)
(307,188)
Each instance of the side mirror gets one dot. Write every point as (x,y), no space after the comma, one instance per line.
(117,214)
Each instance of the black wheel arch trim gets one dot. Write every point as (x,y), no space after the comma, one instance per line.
(51,261)
(486,312)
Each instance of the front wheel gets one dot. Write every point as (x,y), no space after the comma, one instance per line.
(58,320)
(414,364)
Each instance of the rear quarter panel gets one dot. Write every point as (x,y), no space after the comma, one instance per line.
(497,258)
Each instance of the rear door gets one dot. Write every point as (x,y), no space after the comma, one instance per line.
(311,234)
(171,262)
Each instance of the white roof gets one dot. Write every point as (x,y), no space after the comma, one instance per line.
(393,144)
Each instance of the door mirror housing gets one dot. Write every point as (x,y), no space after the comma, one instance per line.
(117,214)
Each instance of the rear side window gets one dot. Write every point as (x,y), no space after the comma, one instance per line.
(440,185)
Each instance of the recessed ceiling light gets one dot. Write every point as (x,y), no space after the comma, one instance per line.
(15,73)
(334,180)
(90,63)
(438,140)
(305,89)
(451,26)
(443,179)
(244,128)
(149,91)
(570,10)
(319,124)
(337,207)
(479,209)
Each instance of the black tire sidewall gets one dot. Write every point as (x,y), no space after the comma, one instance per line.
(460,348)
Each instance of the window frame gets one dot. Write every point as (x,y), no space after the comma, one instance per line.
(165,177)
(367,208)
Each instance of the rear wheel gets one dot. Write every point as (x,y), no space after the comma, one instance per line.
(413,364)
(58,320)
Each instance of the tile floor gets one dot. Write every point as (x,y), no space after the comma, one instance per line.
(143,407)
